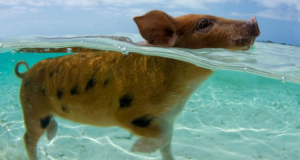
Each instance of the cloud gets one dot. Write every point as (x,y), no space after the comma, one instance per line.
(22,2)
(135,12)
(14,11)
(195,4)
(36,3)
(129,2)
(117,12)
(240,14)
(274,9)
(110,12)
(272,14)
(278,3)
(280,9)
(9,2)
(76,3)
(186,3)
(95,3)
(288,10)
(277,15)
(33,10)
(108,7)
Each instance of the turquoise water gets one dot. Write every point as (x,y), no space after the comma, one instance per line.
(232,116)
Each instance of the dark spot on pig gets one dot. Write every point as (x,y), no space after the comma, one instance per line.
(63,108)
(74,90)
(45,122)
(142,121)
(105,82)
(126,101)
(50,75)
(59,93)
(43,91)
(90,84)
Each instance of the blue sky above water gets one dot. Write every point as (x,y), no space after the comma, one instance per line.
(279,20)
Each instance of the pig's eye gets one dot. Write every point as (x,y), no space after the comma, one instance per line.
(203,23)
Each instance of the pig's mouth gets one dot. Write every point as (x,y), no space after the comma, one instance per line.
(244,41)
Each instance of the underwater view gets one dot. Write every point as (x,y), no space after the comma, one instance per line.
(149,80)
(238,113)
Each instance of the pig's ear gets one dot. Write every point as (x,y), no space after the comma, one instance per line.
(158,28)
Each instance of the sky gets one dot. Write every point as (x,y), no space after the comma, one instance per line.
(279,20)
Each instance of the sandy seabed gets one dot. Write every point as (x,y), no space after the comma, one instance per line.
(232,116)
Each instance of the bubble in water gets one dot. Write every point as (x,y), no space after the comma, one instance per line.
(13,52)
(69,50)
(124,51)
(117,46)
(283,79)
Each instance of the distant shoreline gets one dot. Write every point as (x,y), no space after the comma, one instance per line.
(268,41)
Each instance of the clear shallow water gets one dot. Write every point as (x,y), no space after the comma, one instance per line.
(233,115)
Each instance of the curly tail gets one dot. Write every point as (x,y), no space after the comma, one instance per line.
(20,75)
